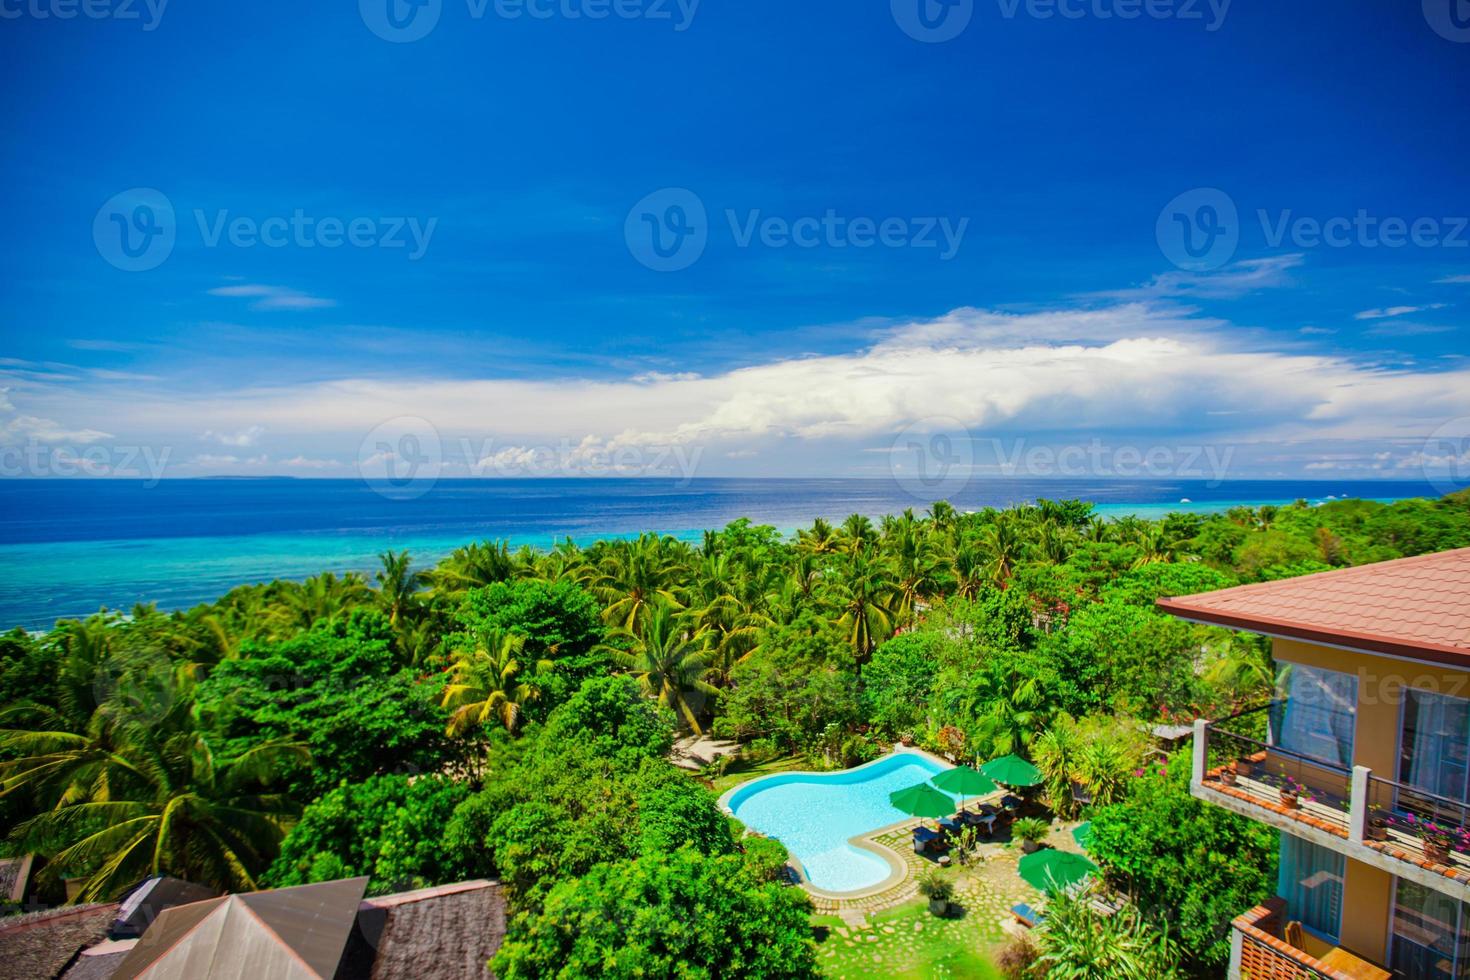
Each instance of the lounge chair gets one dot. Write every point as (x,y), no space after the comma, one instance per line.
(1026,915)
(926,841)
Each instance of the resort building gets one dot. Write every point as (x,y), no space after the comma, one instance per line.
(1362,762)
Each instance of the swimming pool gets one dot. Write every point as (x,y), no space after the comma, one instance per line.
(814,814)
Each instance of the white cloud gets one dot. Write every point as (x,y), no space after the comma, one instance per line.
(274,297)
(245,437)
(1393,311)
(1453,279)
(1235,279)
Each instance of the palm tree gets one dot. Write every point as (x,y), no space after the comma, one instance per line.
(484,685)
(473,567)
(857,533)
(1078,942)
(1055,752)
(397,584)
(670,663)
(916,569)
(125,800)
(1103,767)
(865,598)
(820,540)
(321,597)
(1155,546)
(1001,547)
(632,576)
(969,570)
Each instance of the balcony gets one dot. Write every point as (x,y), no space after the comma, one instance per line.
(1260,951)
(1377,821)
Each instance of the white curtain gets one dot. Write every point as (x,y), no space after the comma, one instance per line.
(1310,879)
(1436,744)
(1314,713)
(1431,934)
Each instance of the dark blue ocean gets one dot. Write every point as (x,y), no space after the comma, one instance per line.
(68,547)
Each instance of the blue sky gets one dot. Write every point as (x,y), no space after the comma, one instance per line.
(501,169)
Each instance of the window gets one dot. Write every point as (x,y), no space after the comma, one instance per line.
(1436,744)
(1314,713)
(1431,935)
(1310,879)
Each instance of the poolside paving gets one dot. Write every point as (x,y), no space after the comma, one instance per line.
(985,890)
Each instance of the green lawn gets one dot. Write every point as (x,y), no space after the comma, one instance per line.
(742,772)
(907,943)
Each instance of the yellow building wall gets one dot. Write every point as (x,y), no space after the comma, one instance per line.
(1381,681)
(1368,891)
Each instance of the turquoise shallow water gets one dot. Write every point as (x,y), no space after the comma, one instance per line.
(814,814)
(68,547)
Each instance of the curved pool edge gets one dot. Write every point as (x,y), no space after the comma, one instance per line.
(898,870)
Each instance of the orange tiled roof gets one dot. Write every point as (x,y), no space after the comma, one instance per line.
(1411,607)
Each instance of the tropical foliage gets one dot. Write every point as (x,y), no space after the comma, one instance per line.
(510,713)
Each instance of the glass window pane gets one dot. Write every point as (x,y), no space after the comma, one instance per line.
(1436,744)
(1431,934)
(1310,879)
(1314,713)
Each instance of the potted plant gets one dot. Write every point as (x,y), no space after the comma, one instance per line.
(1437,842)
(1292,792)
(1030,831)
(938,889)
(1377,823)
(1228,774)
(906,738)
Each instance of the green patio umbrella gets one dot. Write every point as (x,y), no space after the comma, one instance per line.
(1049,869)
(1082,834)
(964,781)
(1013,771)
(922,800)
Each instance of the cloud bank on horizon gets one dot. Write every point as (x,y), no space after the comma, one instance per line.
(1134,371)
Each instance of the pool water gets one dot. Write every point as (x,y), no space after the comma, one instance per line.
(814,814)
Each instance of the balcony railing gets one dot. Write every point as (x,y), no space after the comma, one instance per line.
(1390,817)
(1422,824)
(1287,782)
(1259,951)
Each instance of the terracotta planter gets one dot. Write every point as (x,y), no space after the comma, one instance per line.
(1227,776)
(1290,800)
(1437,852)
(1378,832)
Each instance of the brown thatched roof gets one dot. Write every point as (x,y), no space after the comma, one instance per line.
(39,945)
(444,933)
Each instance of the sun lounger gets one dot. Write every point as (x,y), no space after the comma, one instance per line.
(926,841)
(1026,915)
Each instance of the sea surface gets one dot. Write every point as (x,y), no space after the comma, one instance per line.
(69,547)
